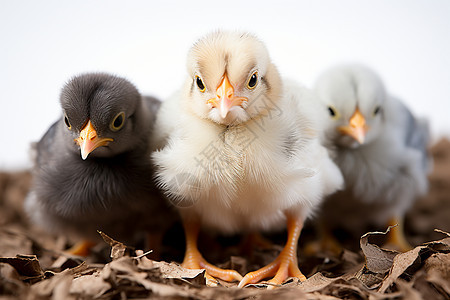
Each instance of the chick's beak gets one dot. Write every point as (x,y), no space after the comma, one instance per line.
(225,98)
(356,127)
(89,140)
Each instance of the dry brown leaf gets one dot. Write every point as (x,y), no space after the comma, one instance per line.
(405,260)
(63,262)
(438,271)
(175,271)
(401,262)
(91,286)
(427,289)
(317,296)
(378,260)
(123,265)
(443,232)
(45,288)
(316,282)
(10,283)
(369,279)
(117,248)
(160,289)
(441,245)
(407,290)
(27,266)
(144,264)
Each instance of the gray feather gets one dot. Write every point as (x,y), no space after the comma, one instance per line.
(417,135)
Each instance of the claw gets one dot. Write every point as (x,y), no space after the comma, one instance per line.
(194,260)
(285,265)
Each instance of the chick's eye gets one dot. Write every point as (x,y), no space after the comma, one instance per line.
(66,121)
(252,81)
(200,84)
(118,122)
(377,110)
(331,111)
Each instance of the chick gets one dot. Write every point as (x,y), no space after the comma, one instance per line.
(107,187)
(380,147)
(242,151)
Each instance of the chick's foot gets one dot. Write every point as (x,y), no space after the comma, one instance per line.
(285,265)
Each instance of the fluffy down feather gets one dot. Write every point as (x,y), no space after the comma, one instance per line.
(385,173)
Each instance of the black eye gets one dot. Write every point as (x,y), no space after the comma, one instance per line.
(66,121)
(377,110)
(200,84)
(331,111)
(253,80)
(118,122)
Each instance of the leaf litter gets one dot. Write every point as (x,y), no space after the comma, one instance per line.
(33,264)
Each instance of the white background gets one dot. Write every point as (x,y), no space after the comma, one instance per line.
(44,43)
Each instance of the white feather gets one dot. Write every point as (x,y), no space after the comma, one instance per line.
(243,175)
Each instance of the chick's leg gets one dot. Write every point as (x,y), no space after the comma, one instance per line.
(82,248)
(396,236)
(285,265)
(194,260)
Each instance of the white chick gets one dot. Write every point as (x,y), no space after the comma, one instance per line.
(243,151)
(380,147)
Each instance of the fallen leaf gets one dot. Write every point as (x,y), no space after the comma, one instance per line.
(407,290)
(175,271)
(427,289)
(316,283)
(443,232)
(45,288)
(123,265)
(378,260)
(369,279)
(63,262)
(10,283)
(27,266)
(117,248)
(441,245)
(91,286)
(143,263)
(160,289)
(437,268)
(401,262)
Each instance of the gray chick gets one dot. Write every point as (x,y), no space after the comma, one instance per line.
(380,147)
(108,187)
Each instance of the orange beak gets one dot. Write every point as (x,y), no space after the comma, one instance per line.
(89,140)
(225,98)
(356,127)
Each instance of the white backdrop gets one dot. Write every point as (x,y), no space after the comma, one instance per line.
(44,43)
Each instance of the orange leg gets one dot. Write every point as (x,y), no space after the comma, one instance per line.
(285,265)
(82,248)
(194,260)
(396,237)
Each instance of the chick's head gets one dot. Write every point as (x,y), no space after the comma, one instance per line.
(354,97)
(231,78)
(102,115)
